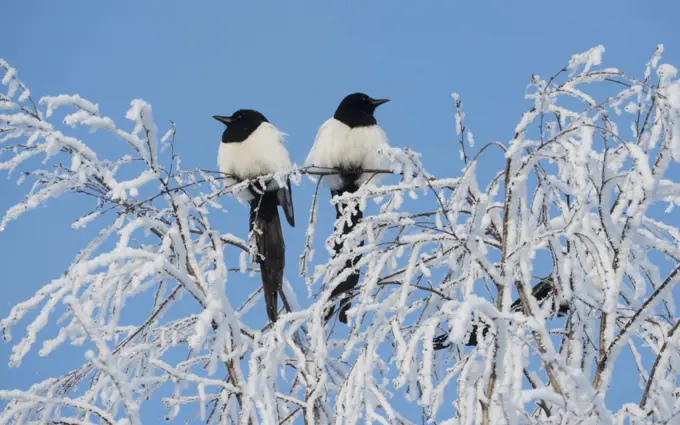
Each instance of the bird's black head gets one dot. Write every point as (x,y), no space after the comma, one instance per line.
(356,110)
(240,125)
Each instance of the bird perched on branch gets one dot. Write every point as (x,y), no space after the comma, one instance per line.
(543,291)
(350,142)
(251,148)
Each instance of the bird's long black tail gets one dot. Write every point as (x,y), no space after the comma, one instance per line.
(341,291)
(266,228)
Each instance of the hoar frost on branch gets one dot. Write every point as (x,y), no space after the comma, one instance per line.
(578,202)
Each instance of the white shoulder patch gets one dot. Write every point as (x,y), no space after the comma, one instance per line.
(261,153)
(338,146)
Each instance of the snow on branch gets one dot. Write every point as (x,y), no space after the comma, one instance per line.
(502,294)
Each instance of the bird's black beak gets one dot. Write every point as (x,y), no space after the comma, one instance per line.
(223,119)
(378,102)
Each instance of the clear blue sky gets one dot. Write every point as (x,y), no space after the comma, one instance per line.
(294,61)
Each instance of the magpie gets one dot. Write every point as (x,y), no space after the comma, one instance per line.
(251,148)
(349,142)
(542,292)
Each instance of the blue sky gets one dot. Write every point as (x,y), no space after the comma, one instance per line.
(294,61)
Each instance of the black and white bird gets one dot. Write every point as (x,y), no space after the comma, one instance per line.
(544,291)
(252,147)
(351,143)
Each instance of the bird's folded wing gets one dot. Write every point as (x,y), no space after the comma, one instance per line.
(285,196)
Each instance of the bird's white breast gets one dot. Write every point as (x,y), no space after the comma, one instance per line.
(339,146)
(261,153)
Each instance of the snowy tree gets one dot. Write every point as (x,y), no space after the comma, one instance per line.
(449,322)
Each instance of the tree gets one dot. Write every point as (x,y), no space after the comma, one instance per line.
(579,202)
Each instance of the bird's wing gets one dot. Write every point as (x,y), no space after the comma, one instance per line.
(285,197)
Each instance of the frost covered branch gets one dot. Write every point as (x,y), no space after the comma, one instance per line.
(503,295)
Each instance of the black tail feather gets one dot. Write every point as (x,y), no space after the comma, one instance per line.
(285,197)
(340,292)
(264,219)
